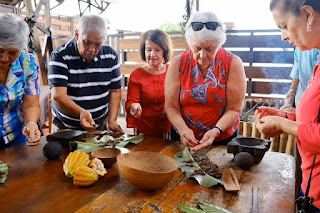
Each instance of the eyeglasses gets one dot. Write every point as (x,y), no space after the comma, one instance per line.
(196,26)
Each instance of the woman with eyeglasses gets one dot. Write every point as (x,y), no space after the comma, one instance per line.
(205,86)
(145,98)
(20,85)
(299,22)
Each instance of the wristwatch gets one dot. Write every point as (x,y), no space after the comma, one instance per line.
(220,130)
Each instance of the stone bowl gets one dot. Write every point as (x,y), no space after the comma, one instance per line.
(108,156)
(257,147)
(147,170)
(66,135)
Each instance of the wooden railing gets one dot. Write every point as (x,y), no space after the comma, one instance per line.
(268,60)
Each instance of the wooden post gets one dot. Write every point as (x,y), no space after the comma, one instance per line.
(197,5)
(283,142)
(241,128)
(247,129)
(255,132)
(290,145)
(30,13)
(274,144)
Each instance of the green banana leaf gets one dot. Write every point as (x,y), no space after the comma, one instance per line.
(189,209)
(204,180)
(205,207)
(93,144)
(208,207)
(3,168)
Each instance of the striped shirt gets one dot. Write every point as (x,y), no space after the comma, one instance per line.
(23,79)
(88,84)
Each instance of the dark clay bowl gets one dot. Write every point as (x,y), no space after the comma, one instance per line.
(257,147)
(66,135)
(108,156)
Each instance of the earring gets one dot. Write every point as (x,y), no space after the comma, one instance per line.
(308,28)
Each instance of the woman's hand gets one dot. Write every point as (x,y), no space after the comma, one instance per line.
(32,133)
(266,111)
(187,138)
(135,110)
(207,139)
(269,125)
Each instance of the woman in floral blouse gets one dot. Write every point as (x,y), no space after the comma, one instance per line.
(20,85)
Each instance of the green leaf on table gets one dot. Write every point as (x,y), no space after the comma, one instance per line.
(190,168)
(84,147)
(94,143)
(125,139)
(189,209)
(3,172)
(209,207)
(92,140)
(105,138)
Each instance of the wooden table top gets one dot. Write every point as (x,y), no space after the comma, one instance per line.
(35,184)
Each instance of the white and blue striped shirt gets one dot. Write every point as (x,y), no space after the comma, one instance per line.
(88,84)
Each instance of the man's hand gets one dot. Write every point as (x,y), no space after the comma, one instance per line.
(86,121)
(115,127)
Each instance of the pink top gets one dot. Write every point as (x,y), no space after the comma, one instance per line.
(308,140)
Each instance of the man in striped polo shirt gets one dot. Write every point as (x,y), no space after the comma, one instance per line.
(85,80)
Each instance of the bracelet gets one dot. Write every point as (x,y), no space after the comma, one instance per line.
(220,130)
(33,123)
(25,128)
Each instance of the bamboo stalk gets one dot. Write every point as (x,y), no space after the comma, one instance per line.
(283,142)
(247,129)
(241,128)
(290,145)
(255,131)
(274,144)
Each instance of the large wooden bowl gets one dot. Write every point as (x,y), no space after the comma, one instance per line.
(108,156)
(147,170)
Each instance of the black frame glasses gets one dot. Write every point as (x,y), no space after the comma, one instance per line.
(212,25)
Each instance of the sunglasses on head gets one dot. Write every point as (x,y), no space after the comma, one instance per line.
(196,26)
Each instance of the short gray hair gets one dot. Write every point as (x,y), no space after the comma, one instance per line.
(204,34)
(92,23)
(14,32)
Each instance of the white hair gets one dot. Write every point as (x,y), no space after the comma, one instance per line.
(14,32)
(204,34)
(92,23)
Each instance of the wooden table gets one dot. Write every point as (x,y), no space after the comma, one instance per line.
(35,184)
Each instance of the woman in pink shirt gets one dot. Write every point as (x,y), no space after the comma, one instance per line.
(299,21)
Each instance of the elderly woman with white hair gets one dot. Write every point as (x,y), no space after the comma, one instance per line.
(20,85)
(205,86)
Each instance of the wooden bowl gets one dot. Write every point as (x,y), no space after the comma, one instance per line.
(108,156)
(147,170)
